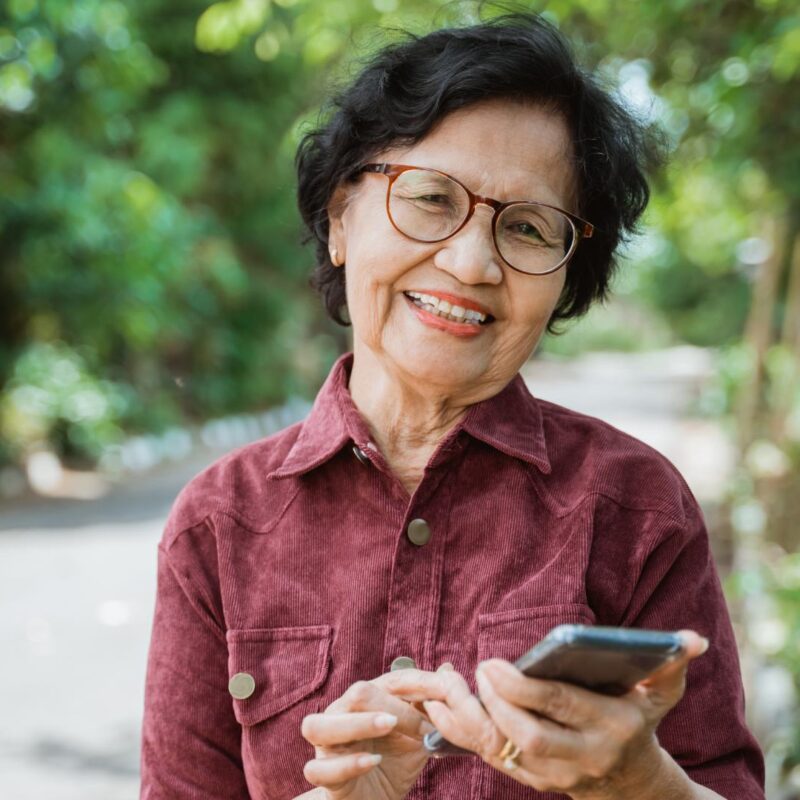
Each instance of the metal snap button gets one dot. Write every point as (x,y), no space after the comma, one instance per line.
(403,662)
(242,685)
(419,532)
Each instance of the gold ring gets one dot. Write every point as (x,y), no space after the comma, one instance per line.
(509,754)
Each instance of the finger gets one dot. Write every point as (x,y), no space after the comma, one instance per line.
(564,703)
(452,707)
(535,736)
(415,685)
(370,696)
(325,730)
(330,772)
(419,704)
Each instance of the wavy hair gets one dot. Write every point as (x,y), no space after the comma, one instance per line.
(408,87)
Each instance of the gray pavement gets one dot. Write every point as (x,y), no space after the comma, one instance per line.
(77,582)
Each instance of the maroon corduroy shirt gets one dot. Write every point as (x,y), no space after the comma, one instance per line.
(289,560)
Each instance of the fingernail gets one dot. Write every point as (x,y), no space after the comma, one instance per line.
(425,727)
(706,644)
(386,720)
(446,665)
(486,668)
(369,761)
(484,684)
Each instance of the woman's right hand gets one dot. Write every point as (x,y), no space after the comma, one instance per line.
(368,744)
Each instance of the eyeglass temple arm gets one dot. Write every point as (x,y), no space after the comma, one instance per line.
(380,168)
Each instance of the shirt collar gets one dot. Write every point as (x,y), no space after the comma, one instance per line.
(511,422)
(331,423)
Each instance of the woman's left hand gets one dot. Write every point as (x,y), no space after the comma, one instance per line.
(570,739)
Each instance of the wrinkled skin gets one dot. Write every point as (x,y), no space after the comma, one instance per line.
(572,740)
(350,728)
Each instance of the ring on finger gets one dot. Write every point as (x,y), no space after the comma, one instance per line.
(510,753)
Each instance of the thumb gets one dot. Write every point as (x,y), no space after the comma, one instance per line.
(665,687)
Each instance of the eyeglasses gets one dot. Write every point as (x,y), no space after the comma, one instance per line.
(427,205)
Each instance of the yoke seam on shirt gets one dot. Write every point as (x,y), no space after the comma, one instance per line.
(656,535)
(619,504)
(246,523)
(560,511)
(184,529)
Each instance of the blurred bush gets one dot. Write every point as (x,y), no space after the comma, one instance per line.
(148,231)
(52,397)
(763,506)
(148,236)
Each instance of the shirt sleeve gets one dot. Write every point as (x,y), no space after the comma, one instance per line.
(706,731)
(190,738)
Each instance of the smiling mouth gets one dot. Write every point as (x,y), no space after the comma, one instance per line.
(449,311)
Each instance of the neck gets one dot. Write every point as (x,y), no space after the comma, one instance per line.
(407,418)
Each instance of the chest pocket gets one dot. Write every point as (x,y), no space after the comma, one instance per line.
(509,634)
(281,670)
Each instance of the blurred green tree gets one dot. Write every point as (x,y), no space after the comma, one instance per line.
(147,217)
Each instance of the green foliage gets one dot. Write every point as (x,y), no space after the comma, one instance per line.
(53,397)
(147,220)
(764,503)
(619,325)
(147,217)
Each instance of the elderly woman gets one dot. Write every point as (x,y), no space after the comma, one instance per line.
(328,595)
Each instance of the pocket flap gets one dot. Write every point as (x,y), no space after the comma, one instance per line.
(510,634)
(286,664)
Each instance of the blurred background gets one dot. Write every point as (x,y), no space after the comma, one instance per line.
(155,313)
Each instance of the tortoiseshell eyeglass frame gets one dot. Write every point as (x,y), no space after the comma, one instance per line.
(581,229)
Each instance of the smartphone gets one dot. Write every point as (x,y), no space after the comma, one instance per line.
(605,660)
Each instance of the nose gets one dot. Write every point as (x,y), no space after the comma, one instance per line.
(470,254)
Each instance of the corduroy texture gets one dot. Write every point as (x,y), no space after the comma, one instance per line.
(288,559)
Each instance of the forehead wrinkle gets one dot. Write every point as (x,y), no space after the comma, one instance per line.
(547,185)
(462,143)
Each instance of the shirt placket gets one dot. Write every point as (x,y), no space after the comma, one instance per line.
(415,586)
(415,581)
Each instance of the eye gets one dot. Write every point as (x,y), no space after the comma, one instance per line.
(430,199)
(438,199)
(526,230)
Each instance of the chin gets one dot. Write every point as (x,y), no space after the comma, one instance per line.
(440,368)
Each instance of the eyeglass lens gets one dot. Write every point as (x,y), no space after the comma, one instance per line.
(429,207)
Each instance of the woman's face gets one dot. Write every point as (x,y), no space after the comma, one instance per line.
(500,149)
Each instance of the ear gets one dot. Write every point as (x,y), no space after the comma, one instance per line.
(336,233)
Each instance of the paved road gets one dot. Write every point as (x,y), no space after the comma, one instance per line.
(77,582)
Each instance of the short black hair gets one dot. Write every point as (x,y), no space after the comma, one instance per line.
(409,86)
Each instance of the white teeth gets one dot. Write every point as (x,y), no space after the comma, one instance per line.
(443,308)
